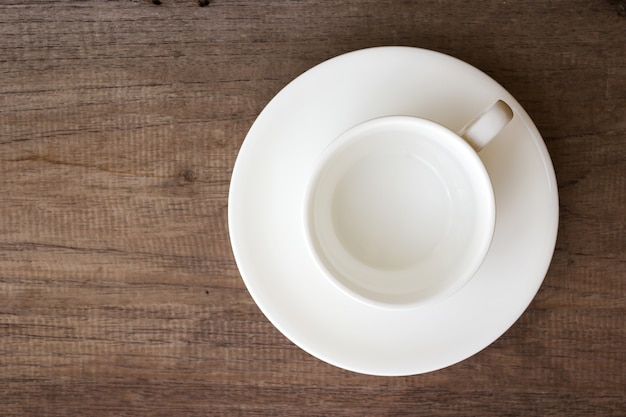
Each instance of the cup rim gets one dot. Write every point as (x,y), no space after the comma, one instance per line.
(340,141)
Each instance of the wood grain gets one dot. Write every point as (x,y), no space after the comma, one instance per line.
(120,122)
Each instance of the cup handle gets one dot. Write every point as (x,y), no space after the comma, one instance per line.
(480,131)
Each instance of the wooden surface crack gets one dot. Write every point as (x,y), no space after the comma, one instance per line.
(39,158)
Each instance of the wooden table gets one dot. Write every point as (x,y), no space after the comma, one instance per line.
(120,122)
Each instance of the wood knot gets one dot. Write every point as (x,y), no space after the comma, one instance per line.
(620,7)
(203,3)
(186,176)
(156,2)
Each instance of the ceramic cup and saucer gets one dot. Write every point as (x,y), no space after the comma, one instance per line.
(393,211)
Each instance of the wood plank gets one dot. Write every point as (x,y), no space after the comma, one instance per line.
(120,122)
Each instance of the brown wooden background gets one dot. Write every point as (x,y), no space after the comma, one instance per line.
(120,122)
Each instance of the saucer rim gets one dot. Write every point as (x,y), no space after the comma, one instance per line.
(274,316)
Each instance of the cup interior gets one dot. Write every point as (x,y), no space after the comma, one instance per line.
(399,211)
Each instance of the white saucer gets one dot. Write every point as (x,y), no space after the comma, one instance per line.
(267,196)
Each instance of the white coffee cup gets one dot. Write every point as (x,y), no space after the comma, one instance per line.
(400,210)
